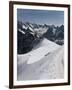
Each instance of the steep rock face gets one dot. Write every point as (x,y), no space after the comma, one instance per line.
(24,42)
(59,36)
(49,34)
(60,32)
(55,34)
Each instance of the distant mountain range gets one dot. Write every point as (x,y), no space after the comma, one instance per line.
(30,34)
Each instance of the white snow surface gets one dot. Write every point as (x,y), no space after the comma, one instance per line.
(43,48)
(45,61)
(21,31)
(24,27)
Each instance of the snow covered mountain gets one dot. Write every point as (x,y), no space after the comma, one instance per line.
(40,51)
(30,34)
(45,61)
(55,34)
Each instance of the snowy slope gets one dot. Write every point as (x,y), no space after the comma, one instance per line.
(43,48)
(45,42)
(38,52)
(44,62)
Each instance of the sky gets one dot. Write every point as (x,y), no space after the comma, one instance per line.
(48,17)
